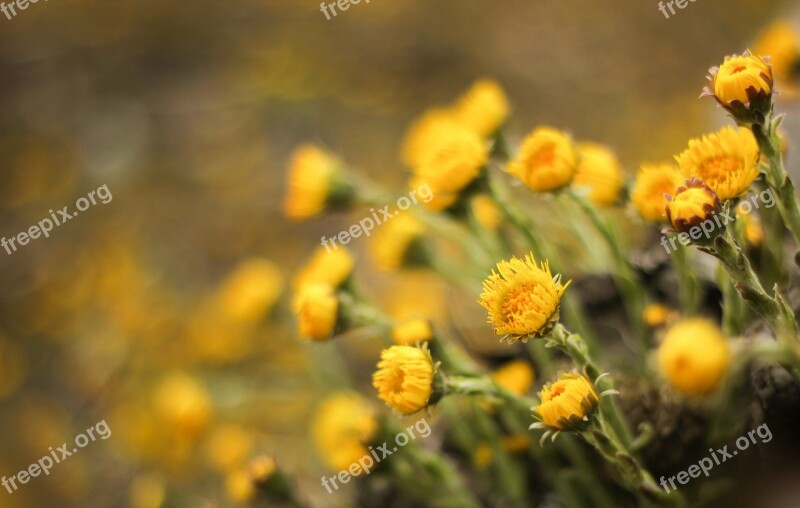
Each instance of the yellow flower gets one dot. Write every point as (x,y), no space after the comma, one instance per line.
(425,133)
(312,182)
(404,378)
(147,491)
(393,243)
(332,267)
(439,200)
(753,232)
(486,212)
(598,171)
(567,403)
(250,291)
(342,427)
(515,376)
(652,182)
(412,332)
(317,309)
(261,468)
(184,403)
(656,315)
(546,161)
(693,204)
(483,108)
(727,161)
(694,356)
(453,160)
(780,42)
(742,79)
(239,486)
(522,298)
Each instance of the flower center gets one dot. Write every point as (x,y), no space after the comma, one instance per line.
(396,385)
(544,157)
(517,301)
(719,168)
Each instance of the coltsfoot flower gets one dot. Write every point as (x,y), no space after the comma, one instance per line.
(315,180)
(522,298)
(412,332)
(317,310)
(486,212)
(404,378)
(250,291)
(184,403)
(599,172)
(453,160)
(656,315)
(546,161)
(726,160)
(424,133)
(342,427)
(741,78)
(693,203)
(694,356)
(483,108)
(567,404)
(394,243)
(515,376)
(653,182)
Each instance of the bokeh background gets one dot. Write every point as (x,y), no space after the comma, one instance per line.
(133,312)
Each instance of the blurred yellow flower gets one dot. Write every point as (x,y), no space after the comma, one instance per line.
(342,427)
(780,42)
(392,244)
(568,402)
(227,447)
(546,161)
(239,486)
(425,133)
(332,267)
(261,468)
(694,356)
(753,232)
(515,376)
(147,491)
(248,293)
(312,182)
(483,108)
(412,332)
(727,161)
(439,200)
(404,378)
(656,315)
(486,212)
(317,309)
(741,78)
(599,172)
(693,203)
(184,403)
(453,160)
(652,182)
(522,298)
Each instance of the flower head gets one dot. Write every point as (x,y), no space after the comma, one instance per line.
(425,133)
(412,332)
(317,310)
(515,376)
(546,161)
(656,315)
(653,182)
(184,403)
(522,298)
(692,204)
(404,378)
(342,427)
(452,160)
(694,356)
(314,181)
(568,403)
(393,244)
(250,291)
(486,211)
(483,108)
(727,161)
(598,171)
(741,78)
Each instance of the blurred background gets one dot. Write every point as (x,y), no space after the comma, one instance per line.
(142,312)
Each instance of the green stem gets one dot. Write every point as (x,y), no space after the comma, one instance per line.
(688,288)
